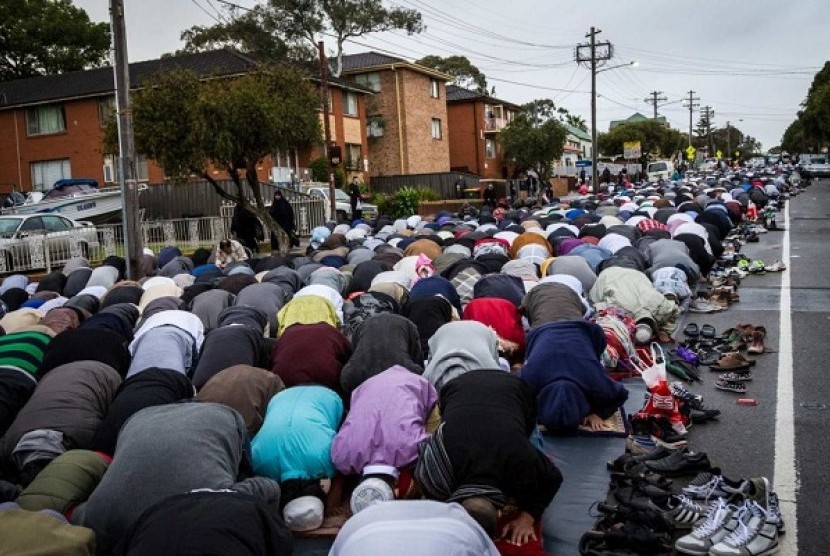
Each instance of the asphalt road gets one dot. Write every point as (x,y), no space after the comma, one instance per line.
(743,442)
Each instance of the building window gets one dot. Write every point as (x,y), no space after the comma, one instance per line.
(369,80)
(43,120)
(106,108)
(46,172)
(436,128)
(112,171)
(349,103)
(490,148)
(434,88)
(354,156)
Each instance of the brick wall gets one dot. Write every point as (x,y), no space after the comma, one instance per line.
(424,154)
(385,151)
(464,123)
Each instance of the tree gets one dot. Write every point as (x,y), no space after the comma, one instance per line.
(533,141)
(811,130)
(296,21)
(189,126)
(255,32)
(465,74)
(795,140)
(48,36)
(656,140)
(576,121)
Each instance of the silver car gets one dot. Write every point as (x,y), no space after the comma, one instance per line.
(37,241)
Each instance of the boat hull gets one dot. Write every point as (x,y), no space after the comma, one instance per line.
(99,208)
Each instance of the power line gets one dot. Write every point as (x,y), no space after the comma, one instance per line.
(692,104)
(655,98)
(205,11)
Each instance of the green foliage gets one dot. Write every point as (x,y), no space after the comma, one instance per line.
(277,28)
(656,140)
(319,169)
(576,121)
(404,202)
(48,36)
(531,142)
(466,74)
(340,178)
(811,131)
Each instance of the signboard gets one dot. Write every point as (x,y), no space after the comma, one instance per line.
(631,150)
(719,154)
(690,153)
(583,163)
(737,154)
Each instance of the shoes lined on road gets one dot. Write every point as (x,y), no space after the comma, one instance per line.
(679,463)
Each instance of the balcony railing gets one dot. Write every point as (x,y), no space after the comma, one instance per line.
(494,124)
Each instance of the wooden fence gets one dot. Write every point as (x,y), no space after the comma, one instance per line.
(166,201)
(442,183)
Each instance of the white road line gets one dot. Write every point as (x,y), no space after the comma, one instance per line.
(786,475)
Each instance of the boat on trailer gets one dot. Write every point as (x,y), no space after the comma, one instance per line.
(78,199)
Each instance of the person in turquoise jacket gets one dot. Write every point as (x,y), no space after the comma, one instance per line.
(294,444)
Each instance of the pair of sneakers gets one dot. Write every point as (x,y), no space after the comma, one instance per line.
(737,526)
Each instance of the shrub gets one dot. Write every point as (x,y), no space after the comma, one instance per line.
(319,169)
(406,201)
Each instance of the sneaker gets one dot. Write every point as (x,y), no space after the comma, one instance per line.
(708,485)
(701,305)
(680,391)
(710,531)
(680,463)
(684,512)
(755,535)
(760,491)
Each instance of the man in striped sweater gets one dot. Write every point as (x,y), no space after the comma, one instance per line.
(21,354)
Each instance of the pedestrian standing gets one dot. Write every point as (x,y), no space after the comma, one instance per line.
(354,199)
(247,228)
(582,176)
(283,214)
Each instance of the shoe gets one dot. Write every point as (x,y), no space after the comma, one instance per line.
(709,532)
(736,376)
(755,535)
(760,491)
(678,390)
(701,305)
(777,266)
(731,362)
(658,429)
(711,484)
(680,463)
(684,512)
(734,387)
(757,345)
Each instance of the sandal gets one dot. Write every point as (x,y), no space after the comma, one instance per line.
(692,330)
(756,346)
(731,362)
(756,267)
(736,377)
(707,331)
(734,387)
(777,266)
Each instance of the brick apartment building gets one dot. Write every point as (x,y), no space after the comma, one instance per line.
(407,116)
(51,127)
(475,122)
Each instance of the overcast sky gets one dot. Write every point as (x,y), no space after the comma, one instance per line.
(751,60)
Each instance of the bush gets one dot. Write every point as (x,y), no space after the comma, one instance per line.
(384,202)
(406,202)
(339,178)
(319,169)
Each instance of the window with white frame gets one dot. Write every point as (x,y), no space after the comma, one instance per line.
(490,148)
(43,120)
(112,171)
(434,88)
(354,156)
(349,103)
(370,80)
(46,172)
(436,128)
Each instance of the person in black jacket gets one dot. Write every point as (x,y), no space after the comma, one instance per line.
(247,228)
(283,214)
(481,455)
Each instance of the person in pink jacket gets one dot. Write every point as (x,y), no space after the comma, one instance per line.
(382,431)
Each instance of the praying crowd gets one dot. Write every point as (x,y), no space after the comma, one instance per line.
(389,387)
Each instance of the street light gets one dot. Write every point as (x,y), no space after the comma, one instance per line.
(632,64)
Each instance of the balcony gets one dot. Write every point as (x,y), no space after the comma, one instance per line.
(494,125)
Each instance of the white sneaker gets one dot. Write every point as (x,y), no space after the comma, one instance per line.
(711,531)
(755,535)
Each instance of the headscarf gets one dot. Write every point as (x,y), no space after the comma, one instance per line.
(85,344)
(308,309)
(428,314)
(460,347)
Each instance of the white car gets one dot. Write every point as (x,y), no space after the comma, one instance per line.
(36,241)
(342,204)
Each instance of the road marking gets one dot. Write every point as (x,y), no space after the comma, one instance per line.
(786,475)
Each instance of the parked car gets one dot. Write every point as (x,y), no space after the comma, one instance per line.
(814,166)
(342,204)
(20,233)
(660,170)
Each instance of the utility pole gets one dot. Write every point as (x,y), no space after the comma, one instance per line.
(655,98)
(126,141)
(591,53)
(692,104)
(324,95)
(709,113)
